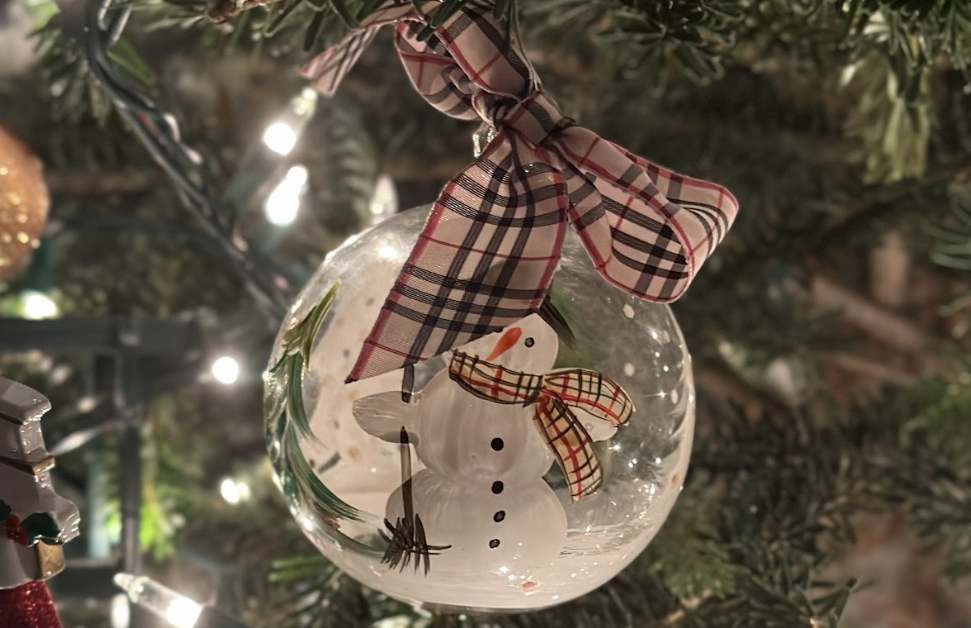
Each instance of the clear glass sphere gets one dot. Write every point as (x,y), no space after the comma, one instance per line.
(499,529)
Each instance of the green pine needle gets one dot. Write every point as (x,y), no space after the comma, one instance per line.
(288,423)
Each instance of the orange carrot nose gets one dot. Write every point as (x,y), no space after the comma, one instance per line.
(506,342)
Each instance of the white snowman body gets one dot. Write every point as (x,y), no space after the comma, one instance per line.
(482,490)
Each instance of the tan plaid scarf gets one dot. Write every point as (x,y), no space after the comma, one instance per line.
(552,395)
(491,245)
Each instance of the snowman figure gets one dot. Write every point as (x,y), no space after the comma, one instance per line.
(487,429)
(35,520)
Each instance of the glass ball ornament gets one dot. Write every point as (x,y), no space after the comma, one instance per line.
(455,502)
(24,203)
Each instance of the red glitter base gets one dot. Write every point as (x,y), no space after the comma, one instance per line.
(28,606)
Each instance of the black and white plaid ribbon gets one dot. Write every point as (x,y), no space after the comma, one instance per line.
(490,247)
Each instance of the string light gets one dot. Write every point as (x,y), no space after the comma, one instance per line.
(234,491)
(176,609)
(384,200)
(120,612)
(280,138)
(38,305)
(225,370)
(283,203)
(282,134)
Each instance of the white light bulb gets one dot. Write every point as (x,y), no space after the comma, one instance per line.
(283,202)
(297,175)
(38,305)
(182,612)
(229,491)
(120,611)
(384,201)
(175,608)
(280,138)
(244,491)
(225,370)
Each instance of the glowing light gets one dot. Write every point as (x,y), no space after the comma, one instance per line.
(38,305)
(304,103)
(87,404)
(225,370)
(384,201)
(182,612)
(283,203)
(120,612)
(280,138)
(297,175)
(176,609)
(229,491)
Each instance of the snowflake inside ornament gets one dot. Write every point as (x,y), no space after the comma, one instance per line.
(527,468)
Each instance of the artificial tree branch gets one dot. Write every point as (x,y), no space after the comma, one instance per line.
(718,380)
(872,369)
(873,320)
(79,184)
(226,9)
(890,264)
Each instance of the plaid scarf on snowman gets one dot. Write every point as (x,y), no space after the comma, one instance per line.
(552,395)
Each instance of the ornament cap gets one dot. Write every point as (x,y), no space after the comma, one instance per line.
(50,561)
(21,404)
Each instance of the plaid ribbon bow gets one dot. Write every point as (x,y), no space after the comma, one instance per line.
(552,395)
(490,247)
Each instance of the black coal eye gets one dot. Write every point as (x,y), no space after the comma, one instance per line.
(530,342)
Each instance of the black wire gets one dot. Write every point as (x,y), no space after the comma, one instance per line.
(159,134)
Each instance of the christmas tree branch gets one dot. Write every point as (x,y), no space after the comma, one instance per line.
(873,320)
(721,381)
(79,184)
(872,369)
(224,10)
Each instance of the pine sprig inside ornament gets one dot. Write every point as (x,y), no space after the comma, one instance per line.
(287,419)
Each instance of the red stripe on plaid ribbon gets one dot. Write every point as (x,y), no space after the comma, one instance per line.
(489,249)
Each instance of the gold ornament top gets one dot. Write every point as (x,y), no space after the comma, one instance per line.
(24,203)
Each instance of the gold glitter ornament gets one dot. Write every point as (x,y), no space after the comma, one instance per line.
(24,203)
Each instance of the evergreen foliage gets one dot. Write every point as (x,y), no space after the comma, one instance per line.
(836,123)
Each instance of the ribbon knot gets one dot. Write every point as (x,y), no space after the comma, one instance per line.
(488,252)
(534,118)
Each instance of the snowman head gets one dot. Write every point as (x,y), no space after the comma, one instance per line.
(529,346)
